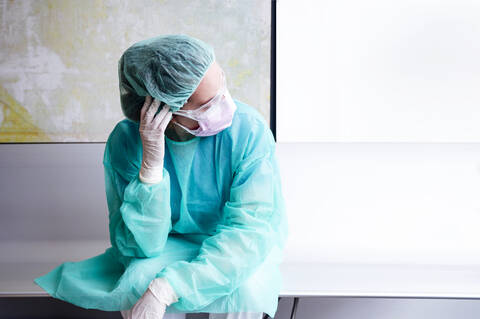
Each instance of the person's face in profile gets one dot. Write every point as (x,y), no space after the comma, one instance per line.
(209,86)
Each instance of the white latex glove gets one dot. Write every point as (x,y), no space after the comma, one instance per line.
(154,301)
(152,133)
(161,288)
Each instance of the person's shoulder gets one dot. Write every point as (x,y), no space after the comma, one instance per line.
(247,115)
(249,130)
(123,142)
(124,126)
(123,131)
(247,121)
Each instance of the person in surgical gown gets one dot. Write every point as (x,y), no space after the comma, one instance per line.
(197,219)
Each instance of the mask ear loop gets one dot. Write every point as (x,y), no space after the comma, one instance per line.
(185,128)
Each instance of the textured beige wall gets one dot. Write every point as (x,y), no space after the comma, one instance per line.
(58,59)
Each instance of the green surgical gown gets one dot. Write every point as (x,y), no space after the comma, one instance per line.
(214,227)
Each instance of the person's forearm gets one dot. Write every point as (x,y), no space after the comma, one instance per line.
(140,217)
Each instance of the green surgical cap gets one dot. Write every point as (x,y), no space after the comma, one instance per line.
(168,68)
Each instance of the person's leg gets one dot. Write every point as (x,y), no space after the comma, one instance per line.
(236,315)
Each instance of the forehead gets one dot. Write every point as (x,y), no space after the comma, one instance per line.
(209,86)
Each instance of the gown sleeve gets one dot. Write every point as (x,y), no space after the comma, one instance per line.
(139,214)
(243,238)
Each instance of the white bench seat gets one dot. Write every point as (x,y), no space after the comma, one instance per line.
(23,261)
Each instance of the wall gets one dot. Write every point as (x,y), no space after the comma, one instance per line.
(58,59)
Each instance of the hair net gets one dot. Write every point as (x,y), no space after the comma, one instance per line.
(168,68)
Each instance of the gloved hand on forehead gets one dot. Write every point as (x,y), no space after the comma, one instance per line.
(152,133)
(168,68)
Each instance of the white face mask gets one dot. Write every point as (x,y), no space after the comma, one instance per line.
(212,117)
